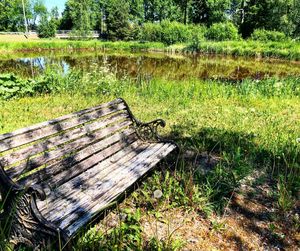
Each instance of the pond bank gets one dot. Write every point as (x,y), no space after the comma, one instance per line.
(284,50)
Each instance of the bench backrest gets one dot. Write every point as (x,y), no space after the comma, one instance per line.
(52,152)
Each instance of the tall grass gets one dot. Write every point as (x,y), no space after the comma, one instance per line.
(55,44)
(195,43)
(251,125)
(285,50)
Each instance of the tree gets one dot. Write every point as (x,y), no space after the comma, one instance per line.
(295,14)
(117,19)
(136,11)
(185,6)
(82,15)
(158,10)
(39,10)
(11,15)
(66,22)
(268,14)
(47,27)
(209,11)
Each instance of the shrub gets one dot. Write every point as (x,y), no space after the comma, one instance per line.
(47,28)
(198,35)
(151,32)
(174,32)
(267,35)
(222,31)
(169,32)
(12,86)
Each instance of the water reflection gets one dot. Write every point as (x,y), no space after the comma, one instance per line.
(156,65)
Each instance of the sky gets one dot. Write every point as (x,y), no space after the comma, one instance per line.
(52,3)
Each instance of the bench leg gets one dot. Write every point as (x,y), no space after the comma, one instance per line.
(24,226)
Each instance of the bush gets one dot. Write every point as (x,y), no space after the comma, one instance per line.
(171,32)
(47,28)
(198,35)
(174,32)
(151,32)
(222,31)
(12,86)
(267,35)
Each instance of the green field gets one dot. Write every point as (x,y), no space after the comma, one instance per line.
(248,127)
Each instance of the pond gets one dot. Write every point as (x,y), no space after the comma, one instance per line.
(153,65)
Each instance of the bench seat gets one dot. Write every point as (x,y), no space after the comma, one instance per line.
(69,169)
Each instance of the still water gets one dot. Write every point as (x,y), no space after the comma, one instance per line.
(154,65)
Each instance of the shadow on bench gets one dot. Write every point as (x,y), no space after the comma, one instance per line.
(57,176)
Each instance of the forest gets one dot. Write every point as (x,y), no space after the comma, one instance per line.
(123,19)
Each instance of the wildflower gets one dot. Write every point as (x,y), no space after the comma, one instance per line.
(278,85)
(157,194)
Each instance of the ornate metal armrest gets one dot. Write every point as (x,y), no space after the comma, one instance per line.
(21,220)
(10,189)
(149,131)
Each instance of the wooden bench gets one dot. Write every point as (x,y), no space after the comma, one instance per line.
(56,176)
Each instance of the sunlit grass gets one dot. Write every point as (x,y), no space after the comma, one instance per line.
(250,125)
(286,50)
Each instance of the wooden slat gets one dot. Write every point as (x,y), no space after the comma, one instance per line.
(50,172)
(47,157)
(54,128)
(86,164)
(79,218)
(74,200)
(27,152)
(58,197)
(57,120)
(85,201)
(57,173)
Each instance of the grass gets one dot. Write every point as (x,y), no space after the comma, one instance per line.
(285,50)
(250,126)
(57,44)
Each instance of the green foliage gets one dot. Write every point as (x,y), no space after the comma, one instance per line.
(151,32)
(83,16)
(174,32)
(169,32)
(117,20)
(265,35)
(222,31)
(286,50)
(11,15)
(236,124)
(46,27)
(12,86)
(126,236)
(209,11)
(39,10)
(52,81)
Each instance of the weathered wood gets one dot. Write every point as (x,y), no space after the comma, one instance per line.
(86,164)
(75,186)
(52,175)
(47,157)
(74,221)
(105,182)
(55,128)
(57,120)
(46,145)
(78,163)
